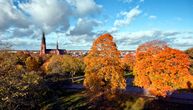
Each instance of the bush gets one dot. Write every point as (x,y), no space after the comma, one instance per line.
(65,64)
(32,64)
(21,57)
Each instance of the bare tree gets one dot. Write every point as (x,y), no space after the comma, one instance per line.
(5,45)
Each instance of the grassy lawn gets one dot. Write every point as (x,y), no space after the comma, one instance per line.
(77,100)
(74,100)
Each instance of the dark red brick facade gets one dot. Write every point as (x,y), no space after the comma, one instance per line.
(44,50)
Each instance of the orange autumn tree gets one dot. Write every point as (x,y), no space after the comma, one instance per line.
(161,69)
(128,62)
(103,72)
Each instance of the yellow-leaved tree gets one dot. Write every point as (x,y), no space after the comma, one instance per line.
(103,73)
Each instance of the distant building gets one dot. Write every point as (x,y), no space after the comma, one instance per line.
(77,53)
(44,50)
(125,52)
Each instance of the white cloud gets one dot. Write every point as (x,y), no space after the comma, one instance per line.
(10,17)
(21,28)
(26,20)
(131,40)
(182,41)
(17,43)
(84,26)
(185,41)
(147,35)
(82,34)
(47,14)
(83,41)
(152,17)
(30,32)
(127,17)
(85,7)
(113,30)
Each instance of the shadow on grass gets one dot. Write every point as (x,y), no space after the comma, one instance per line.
(72,102)
(181,99)
(161,104)
(54,96)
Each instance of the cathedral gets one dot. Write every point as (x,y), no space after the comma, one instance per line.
(44,50)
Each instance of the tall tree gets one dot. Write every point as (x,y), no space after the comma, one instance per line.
(5,46)
(161,69)
(103,71)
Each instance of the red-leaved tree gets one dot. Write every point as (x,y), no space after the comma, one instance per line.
(161,69)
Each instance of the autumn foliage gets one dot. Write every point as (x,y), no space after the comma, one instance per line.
(32,64)
(103,70)
(161,69)
(63,64)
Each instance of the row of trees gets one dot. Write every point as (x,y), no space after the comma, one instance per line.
(24,81)
(156,67)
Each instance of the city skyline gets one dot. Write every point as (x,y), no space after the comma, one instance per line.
(75,24)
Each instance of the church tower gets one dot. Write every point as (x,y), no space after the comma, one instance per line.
(57,45)
(43,45)
(57,49)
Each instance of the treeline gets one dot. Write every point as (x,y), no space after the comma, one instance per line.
(28,81)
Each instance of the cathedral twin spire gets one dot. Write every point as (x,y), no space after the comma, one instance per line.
(43,49)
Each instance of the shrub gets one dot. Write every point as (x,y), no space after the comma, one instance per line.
(65,64)
(32,64)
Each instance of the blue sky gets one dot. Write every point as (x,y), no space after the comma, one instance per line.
(76,23)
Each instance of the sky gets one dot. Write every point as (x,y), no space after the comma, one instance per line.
(76,23)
